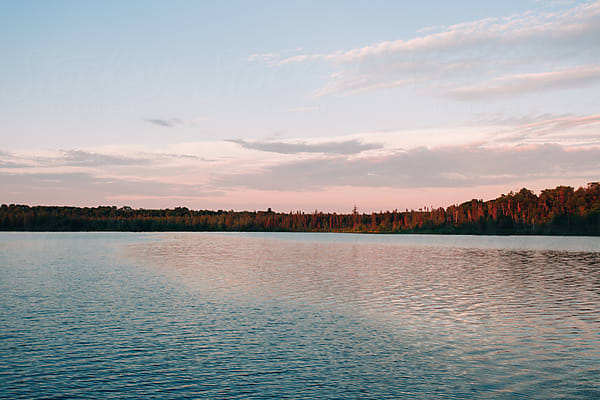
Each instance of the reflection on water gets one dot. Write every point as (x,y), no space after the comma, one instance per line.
(299,315)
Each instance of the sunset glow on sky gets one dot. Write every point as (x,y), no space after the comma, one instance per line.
(296,105)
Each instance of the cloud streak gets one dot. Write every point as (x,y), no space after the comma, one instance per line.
(172,122)
(70,158)
(529,83)
(564,26)
(564,129)
(561,124)
(419,168)
(167,123)
(454,54)
(90,159)
(349,85)
(346,147)
(91,178)
(86,188)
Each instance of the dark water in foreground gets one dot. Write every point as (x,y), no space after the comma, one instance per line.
(198,315)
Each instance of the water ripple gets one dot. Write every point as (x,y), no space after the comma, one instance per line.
(316,316)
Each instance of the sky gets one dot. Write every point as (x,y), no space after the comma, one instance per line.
(296,105)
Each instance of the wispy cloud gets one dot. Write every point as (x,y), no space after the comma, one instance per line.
(422,167)
(172,155)
(527,83)
(69,158)
(269,58)
(173,122)
(445,54)
(342,147)
(103,164)
(167,123)
(575,23)
(85,158)
(348,85)
(10,164)
(88,177)
(570,130)
(86,188)
(561,124)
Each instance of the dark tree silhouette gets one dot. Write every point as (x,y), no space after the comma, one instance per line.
(562,210)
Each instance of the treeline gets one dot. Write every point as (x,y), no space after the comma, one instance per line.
(562,210)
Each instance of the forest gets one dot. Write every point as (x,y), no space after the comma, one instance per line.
(559,211)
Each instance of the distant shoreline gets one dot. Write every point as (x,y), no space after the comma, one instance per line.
(559,211)
(400,233)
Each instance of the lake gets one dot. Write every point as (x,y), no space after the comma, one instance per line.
(298,315)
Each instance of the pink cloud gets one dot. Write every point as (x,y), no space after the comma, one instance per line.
(532,82)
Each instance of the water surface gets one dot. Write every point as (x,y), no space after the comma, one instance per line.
(213,315)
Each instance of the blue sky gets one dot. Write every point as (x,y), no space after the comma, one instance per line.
(296,105)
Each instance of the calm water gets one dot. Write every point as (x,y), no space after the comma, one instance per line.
(199,315)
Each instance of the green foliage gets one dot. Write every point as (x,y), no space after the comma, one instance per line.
(561,210)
